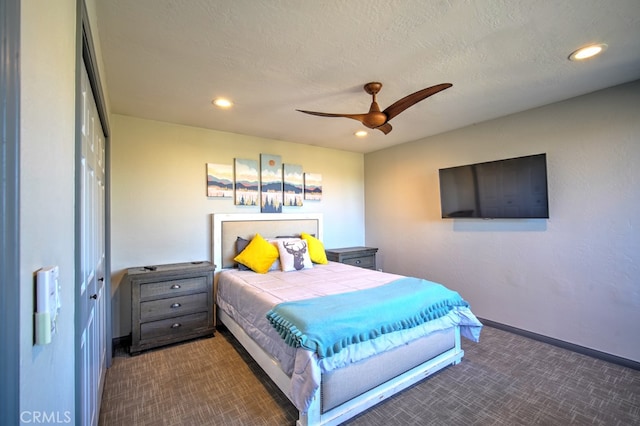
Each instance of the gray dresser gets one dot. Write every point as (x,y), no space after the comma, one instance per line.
(364,257)
(170,303)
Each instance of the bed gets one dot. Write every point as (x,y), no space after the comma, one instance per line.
(328,384)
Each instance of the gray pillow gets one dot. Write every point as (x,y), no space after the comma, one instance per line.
(241,244)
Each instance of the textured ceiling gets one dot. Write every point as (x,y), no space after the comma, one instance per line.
(167,59)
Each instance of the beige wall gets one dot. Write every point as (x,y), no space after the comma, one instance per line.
(47,150)
(573,277)
(161,214)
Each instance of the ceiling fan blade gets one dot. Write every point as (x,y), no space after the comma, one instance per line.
(412,99)
(385,128)
(359,117)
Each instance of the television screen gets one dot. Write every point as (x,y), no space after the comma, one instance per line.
(512,189)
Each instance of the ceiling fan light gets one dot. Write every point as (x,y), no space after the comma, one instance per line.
(222,103)
(587,52)
(361,133)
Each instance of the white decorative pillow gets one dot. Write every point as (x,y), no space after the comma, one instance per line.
(294,255)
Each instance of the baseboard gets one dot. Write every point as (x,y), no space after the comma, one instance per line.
(121,344)
(624,362)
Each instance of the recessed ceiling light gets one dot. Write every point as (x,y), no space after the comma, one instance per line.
(587,52)
(361,133)
(222,103)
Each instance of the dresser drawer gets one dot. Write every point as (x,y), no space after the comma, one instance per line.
(368,262)
(173,327)
(173,287)
(173,306)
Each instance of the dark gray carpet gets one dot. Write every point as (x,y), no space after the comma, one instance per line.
(505,379)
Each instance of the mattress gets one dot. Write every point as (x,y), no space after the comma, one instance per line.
(247,297)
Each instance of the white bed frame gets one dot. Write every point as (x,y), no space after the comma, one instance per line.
(315,414)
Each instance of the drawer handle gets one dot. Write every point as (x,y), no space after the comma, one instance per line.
(175,287)
(176,305)
(358,262)
(176,325)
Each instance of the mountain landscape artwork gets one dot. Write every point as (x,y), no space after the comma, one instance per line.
(247,180)
(313,186)
(293,185)
(219,180)
(270,183)
(266,182)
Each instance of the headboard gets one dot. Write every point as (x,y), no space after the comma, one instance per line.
(227,227)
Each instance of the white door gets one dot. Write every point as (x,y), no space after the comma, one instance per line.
(92,258)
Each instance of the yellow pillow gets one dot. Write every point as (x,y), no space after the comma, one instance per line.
(316,249)
(259,255)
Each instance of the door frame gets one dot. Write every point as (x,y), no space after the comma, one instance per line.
(10,210)
(85,56)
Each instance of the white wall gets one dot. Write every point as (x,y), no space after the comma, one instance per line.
(47,200)
(574,277)
(160,211)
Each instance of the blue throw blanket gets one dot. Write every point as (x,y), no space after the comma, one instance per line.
(328,324)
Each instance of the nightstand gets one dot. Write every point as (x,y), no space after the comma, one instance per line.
(170,303)
(364,257)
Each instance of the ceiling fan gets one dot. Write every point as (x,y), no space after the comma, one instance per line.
(376,119)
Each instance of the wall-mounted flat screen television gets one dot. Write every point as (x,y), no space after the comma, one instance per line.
(514,188)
